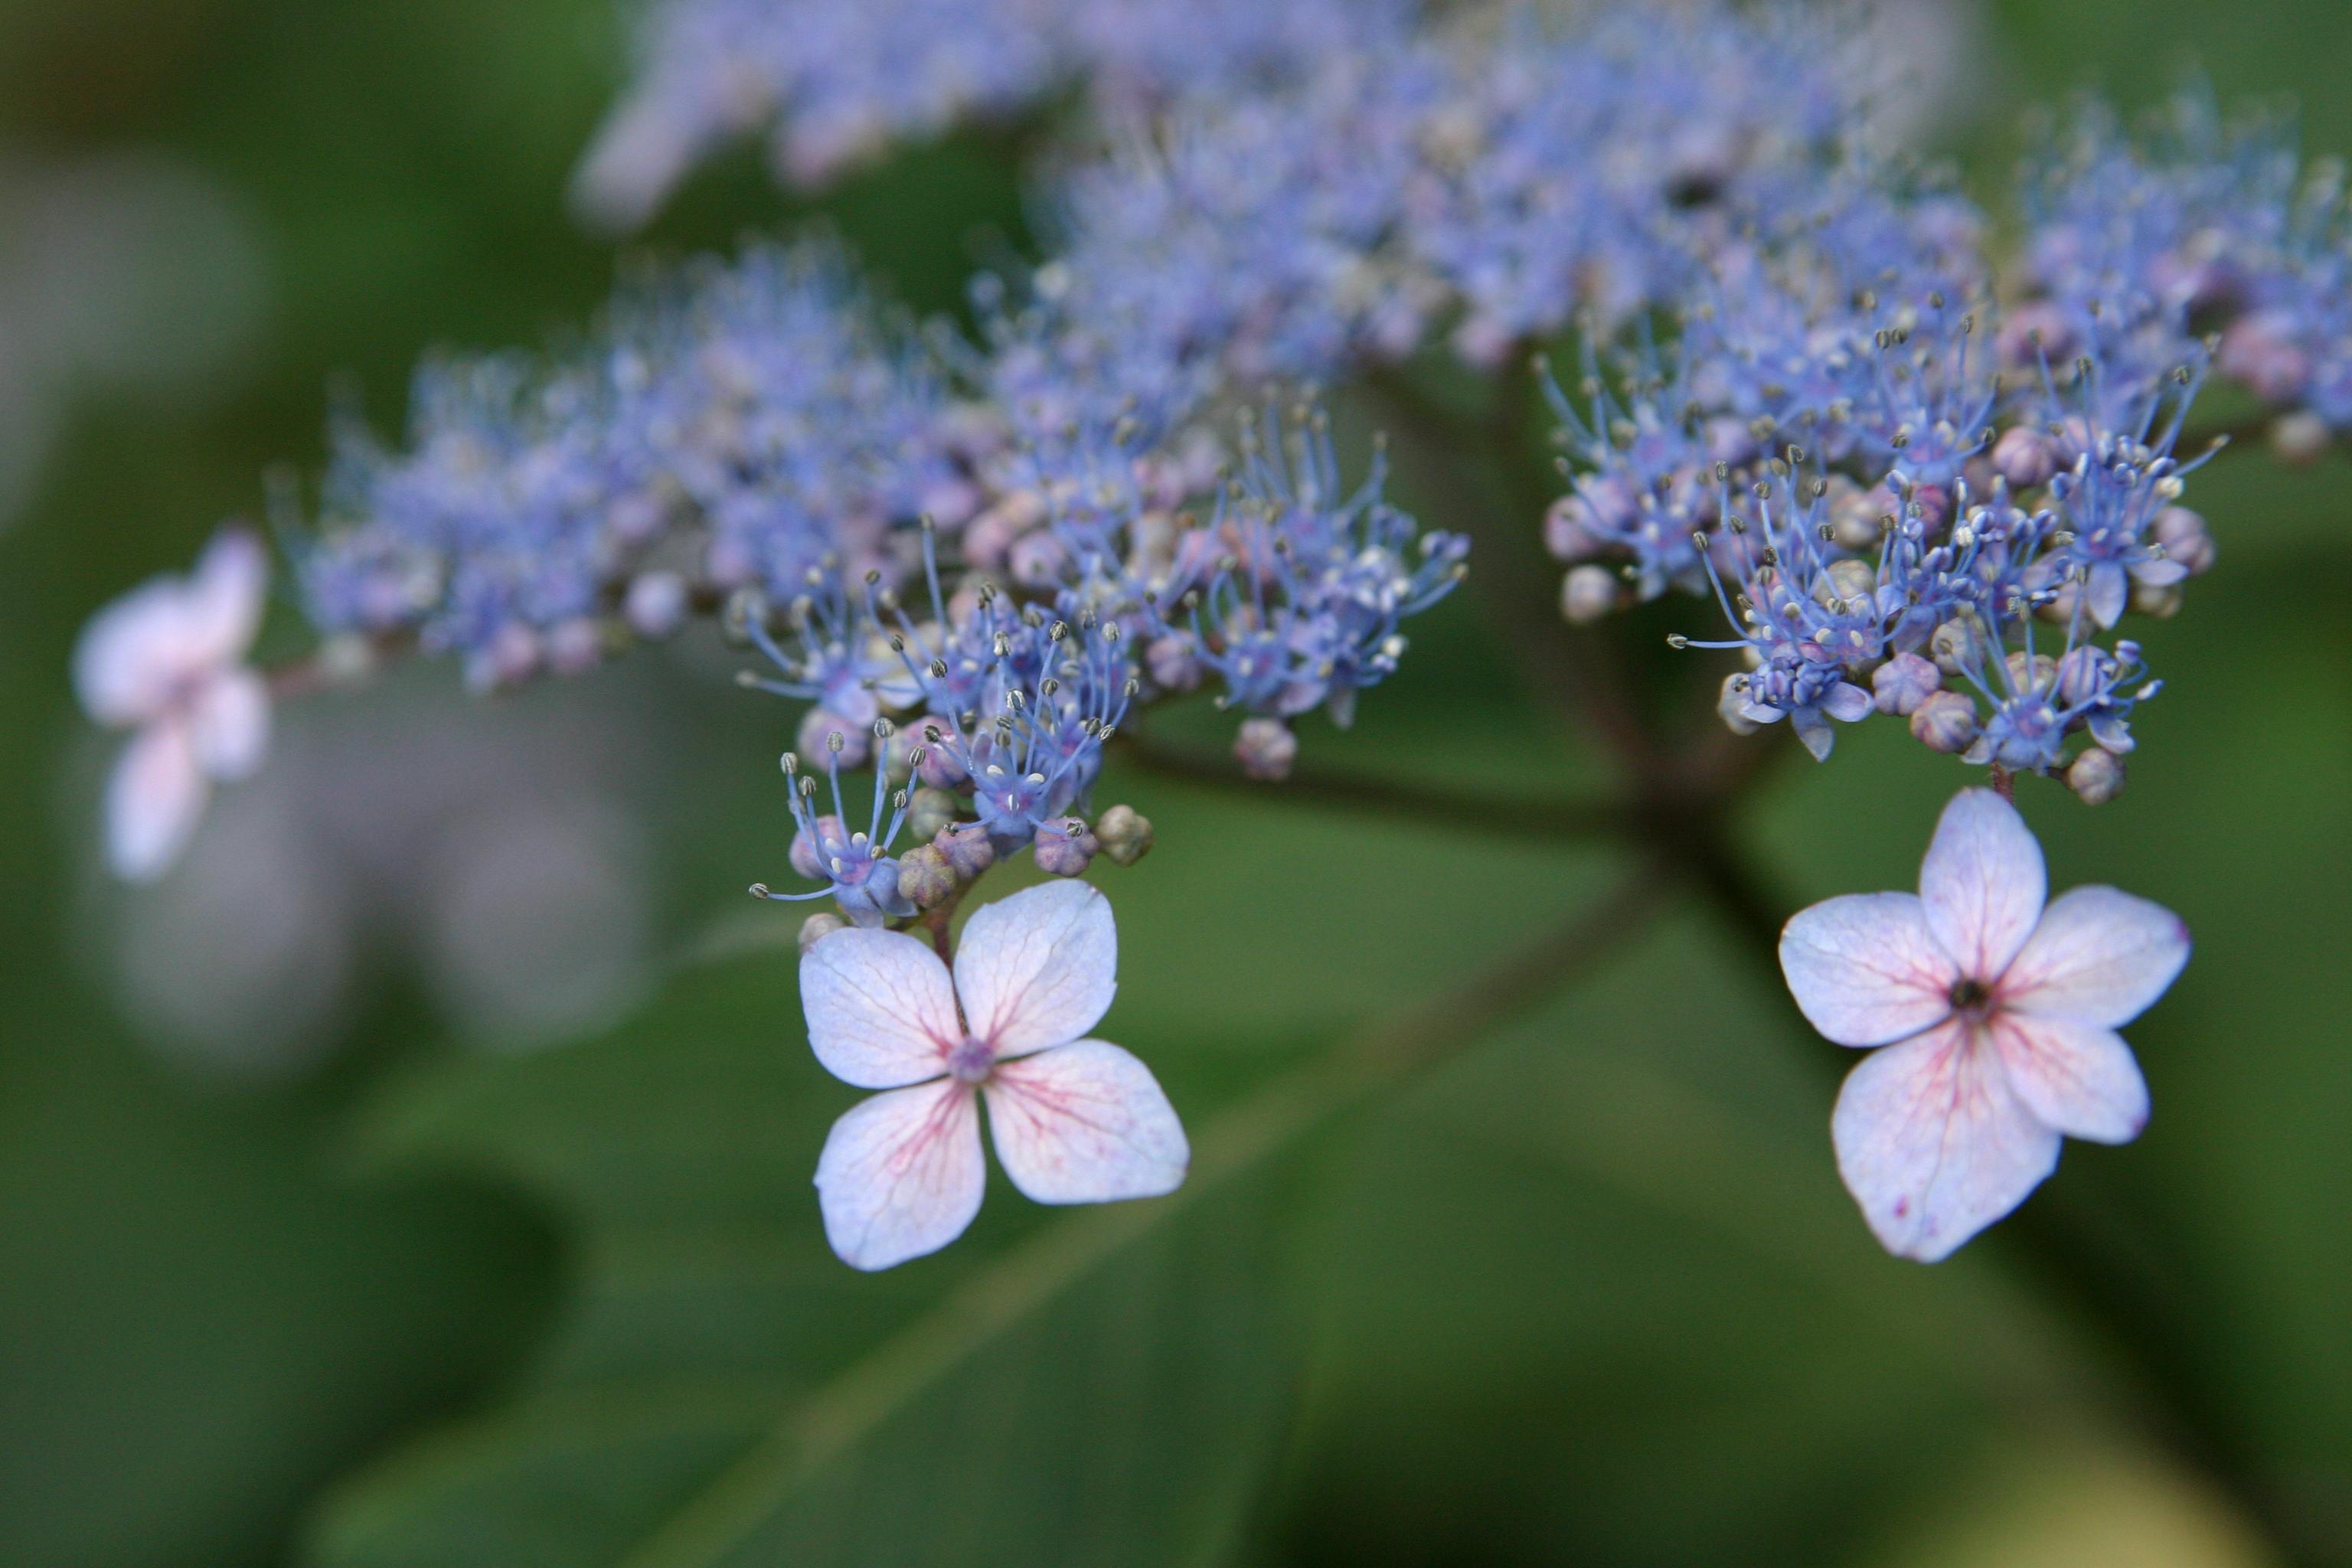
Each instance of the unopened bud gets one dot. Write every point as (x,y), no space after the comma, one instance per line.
(1587,593)
(926,876)
(929,811)
(1955,645)
(2184,538)
(2097,776)
(1856,581)
(1944,721)
(808,855)
(2301,438)
(818,927)
(967,849)
(743,606)
(2025,458)
(657,604)
(1904,682)
(1265,749)
(1124,834)
(1173,663)
(2031,672)
(823,733)
(1064,845)
(1732,705)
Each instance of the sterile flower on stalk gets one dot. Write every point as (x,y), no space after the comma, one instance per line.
(1075,1120)
(1998,1018)
(167,659)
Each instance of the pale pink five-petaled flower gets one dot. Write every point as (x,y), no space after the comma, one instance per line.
(167,659)
(1998,1018)
(1075,1121)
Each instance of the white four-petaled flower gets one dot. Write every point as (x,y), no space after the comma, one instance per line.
(1999,1020)
(168,659)
(1075,1121)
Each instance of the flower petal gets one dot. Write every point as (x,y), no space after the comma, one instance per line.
(1814,731)
(224,596)
(2106,592)
(1983,882)
(881,1012)
(1864,970)
(153,802)
(2100,955)
(2076,1077)
(1038,969)
(1085,1123)
(1935,1144)
(132,654)
(1847,702)
(229,724)
(901,1174)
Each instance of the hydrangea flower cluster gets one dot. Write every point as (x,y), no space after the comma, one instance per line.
(2140,248)
(1832,448)
(1916,483)
(833,82)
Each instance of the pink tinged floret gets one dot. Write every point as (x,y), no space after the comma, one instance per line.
(1075,1121)
(1996,1017)
(166,659)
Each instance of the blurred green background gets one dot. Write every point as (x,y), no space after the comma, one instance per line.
(382,1270)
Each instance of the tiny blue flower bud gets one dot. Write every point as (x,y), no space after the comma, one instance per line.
(2300,438)
(1587,593)
(967,849)
(656,605)
(808,857)
(818,927)
(2097,776)
(1944,721)
(1903,682)
(1732,705)
(1173,663)
(930,812)
(2025,458)
(1265,749)
(821,731)
(926,876)
(1064,845)
(1124,834)
(2182,536)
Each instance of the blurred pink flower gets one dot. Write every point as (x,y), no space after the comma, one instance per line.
(1999,1019)
(167,659)
(1076,1120)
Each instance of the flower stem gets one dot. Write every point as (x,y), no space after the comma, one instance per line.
(1474,811)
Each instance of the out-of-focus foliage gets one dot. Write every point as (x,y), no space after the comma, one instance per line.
(1591,1293)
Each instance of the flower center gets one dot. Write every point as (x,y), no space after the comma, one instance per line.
(971,1061)
(1970,996)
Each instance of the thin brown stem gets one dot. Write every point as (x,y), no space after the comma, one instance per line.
(1474,811)
(1568,672)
